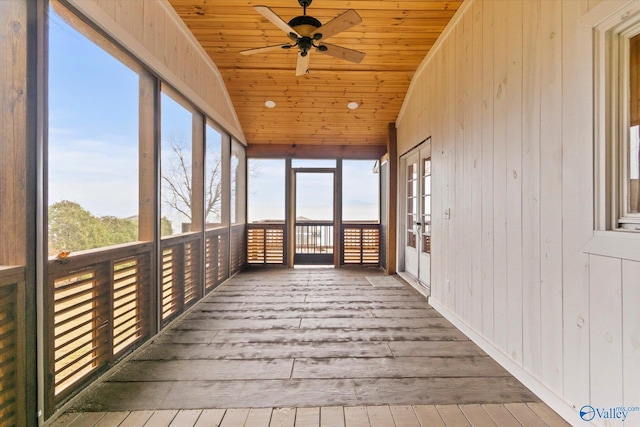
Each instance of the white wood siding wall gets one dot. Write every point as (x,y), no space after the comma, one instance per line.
(155,34)
(508,104)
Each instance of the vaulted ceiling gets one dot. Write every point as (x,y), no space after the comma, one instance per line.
(312,108)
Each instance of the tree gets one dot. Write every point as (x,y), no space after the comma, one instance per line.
(119,230)
(177,189)
(73,228)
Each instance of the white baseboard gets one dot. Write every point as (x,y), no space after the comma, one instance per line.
(415,284)
(555,402)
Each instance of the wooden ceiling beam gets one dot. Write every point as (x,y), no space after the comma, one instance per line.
(347,152)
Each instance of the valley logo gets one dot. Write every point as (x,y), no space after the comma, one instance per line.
(588,412)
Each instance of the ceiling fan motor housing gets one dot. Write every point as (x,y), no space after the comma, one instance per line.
(305,25)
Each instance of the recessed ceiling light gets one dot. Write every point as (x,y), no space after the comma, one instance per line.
(352,105)
(269,104)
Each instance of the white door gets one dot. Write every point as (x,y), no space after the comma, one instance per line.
(424,270)
(417,218)
(412,216)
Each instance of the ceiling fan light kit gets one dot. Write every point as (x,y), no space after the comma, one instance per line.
(306,30)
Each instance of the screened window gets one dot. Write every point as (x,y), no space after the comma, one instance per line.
(213,177)
(238,183)
(313,163)
(360,191)
(93,139)
(176,160)
(266,185)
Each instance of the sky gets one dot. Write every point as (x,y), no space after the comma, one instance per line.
(93,143)
(314,191)
(93,146)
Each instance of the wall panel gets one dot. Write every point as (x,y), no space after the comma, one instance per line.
(487,164)
(630,331)
(577,218)
(511,126)
(475,165)
(500,176)
(514,195)
(550,195)
(605,312)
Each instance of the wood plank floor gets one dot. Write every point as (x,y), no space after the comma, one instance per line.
(310,347)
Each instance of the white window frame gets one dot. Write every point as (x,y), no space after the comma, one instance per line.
(611,94)
(597,32)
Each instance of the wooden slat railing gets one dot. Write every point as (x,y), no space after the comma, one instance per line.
(216,257)
(181,264)
(100,311)
(266,244)
(238,250)
(360,243)
(12,342)
(100,302)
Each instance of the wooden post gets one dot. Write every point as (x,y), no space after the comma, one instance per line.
(198,193)
(392,201)
(22,50)
(149,186)
(337,214)
(225,157)
(289,215)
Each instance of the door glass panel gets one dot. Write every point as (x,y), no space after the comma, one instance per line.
(426,206)
(412,203)
(314,218)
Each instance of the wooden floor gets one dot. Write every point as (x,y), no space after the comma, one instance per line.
(347,347)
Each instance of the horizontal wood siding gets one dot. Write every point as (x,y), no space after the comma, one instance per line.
(506,96)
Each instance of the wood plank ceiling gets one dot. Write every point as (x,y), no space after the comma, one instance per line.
(312,108)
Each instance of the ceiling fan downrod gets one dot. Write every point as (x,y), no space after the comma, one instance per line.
(304,4)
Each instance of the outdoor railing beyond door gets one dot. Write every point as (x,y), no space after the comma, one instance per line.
(267,242)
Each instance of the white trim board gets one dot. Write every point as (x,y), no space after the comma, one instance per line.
(555,402)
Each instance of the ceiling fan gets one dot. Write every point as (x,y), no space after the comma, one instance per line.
(306,30)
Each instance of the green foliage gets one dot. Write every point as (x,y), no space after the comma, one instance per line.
(73,228)
(165,227)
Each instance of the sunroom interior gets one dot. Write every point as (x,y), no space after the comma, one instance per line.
(484,150)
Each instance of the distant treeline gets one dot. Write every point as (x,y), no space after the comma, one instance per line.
(73,228)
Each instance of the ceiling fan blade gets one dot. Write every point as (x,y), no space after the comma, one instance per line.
(343,53)
(302,65)
(262,49)
(275,19)
(338,24)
